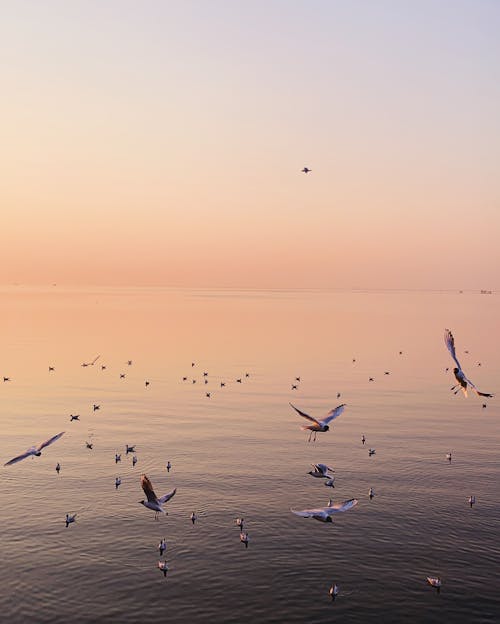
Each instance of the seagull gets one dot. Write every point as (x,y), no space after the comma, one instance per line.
(448,456)
(371,493)
(324,514)
(58,467)
(472,500)
(51,368)
(458,372)
(239,522)
(306,170)
(244,538)
(89,445)
(134,460)
(320,471)
(146,383)
(162,546)
(153,502)
(129,362)
(73,417)
(96,407)
(6,378)
(118,458)
(193,517)
(122,375)
(91,363)
(34,450)
(435,582)
(371,452)
(169,465)
(117,482)
(333,591)
(129,449)
(163,567)
(363,439)
(70,519)
(319,425)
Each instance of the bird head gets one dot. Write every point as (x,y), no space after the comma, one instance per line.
(141,502)
(326,428)
(328,519)
(38,453)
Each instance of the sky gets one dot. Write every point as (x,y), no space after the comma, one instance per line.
(161,143)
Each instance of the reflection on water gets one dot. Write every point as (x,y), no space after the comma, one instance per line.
(240,452)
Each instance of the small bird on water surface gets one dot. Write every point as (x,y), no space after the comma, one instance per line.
(472,500)
(69,519)
(163,566)
(162,546)
(153,502)
(244,538)
(333,591)
(319,425)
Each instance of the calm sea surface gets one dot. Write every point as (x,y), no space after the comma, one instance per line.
(240,452)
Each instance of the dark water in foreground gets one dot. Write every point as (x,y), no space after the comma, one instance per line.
(241,452)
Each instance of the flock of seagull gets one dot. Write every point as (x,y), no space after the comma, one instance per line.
(321,471)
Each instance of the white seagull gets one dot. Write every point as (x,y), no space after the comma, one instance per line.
(34,450)
(320,471)
(333,591)
(462,380)
(435,582)
(153,502)
(319,425)
(69,519)
(244,538)
(163,566)
(324,514)
(162,546)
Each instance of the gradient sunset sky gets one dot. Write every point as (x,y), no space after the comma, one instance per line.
(161,143)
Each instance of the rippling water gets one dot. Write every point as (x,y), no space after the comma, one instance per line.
(241,452)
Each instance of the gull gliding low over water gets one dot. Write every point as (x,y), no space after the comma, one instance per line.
(34,450)
(153,502)
(458,372)
(324,514)
(319,425)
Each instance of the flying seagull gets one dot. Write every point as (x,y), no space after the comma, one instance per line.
(319,425)
(153,502)
(458,372)
(34,450)
(324,514)
(320,471)
(306,170)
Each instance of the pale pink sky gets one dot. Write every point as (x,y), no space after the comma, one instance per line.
(162,143)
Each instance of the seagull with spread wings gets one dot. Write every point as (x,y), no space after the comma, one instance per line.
(319,425)
(34,450)
(458,372)
(153,502)
(324,514)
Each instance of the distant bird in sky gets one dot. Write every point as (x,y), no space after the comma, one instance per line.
(319,425)
(34,450)
(324,514)
(129,362)
(306,170)
(51,368)
(458,372)
(153,502)
(6,378)
(320,471)
(91,363)
(146,383)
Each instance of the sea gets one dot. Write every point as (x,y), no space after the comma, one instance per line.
(152,356)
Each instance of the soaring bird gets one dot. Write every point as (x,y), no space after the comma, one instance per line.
(306,170)
(34,450)
(462,380)
(153,502)
(320,471)
(324,514)
(319,425)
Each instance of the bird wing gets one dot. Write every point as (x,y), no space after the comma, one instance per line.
(336,507)
(333,413)
(49,441)
(323,468)
(167,497)
(304,415)
(14,460)
(449,341)
(473,386)
(148,489)
(94,360)
(306,513)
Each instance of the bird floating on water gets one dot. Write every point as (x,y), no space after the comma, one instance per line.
(333,591)
(324,514)
(448,456)
(69,519)
(244,538)
(34,451)
(319,425)
(472,500)
(129,449)
(169,465)
(163,566)
(58,467)
(117,482)
(118,458)
(371,452)
(462,380)
(435,582)
(371,493)
(162,546)
(240,522)
(363,439)
(153,502)
(134,460)
(193,517)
